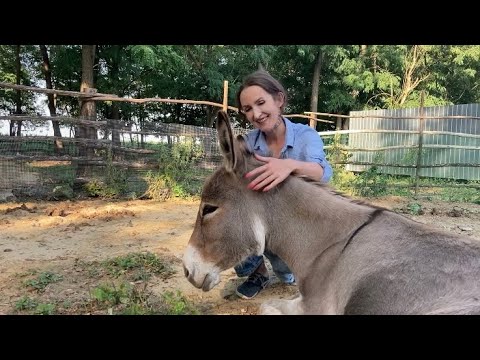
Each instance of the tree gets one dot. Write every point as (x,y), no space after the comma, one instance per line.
(87,108)
(51,97)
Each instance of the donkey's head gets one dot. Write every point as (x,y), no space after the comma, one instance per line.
(229,225)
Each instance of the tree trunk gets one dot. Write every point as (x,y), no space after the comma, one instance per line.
(114,65)
(363,50)
(207,141)
(87,108)
(412,76)
(316,86)
(51,98)
(210,117)
(115,116)
(18,101)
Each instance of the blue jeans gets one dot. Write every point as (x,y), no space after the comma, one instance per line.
(280,269)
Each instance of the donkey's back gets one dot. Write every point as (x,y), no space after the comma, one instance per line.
(398,266)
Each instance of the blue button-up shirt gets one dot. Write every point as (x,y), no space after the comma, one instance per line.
(301,143)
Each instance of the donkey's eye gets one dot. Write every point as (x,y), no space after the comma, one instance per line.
(208,209)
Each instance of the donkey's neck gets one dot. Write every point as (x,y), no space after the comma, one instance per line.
(315,227)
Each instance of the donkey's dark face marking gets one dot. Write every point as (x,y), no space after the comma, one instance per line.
(374,262)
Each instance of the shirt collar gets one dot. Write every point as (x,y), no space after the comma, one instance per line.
(290,134)
(261,144)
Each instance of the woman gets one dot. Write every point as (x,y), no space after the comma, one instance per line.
(285,148)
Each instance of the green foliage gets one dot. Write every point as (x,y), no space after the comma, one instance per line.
(28,304)
(178,174)
(45,309)
(67,304)
(341,179)
(177,304)
(158,186)
(457,72)
(179,156)
(63,175)
(62,192)
(25,303)
(386,81)
(136,309)
(132,301)
(8,73)
(40,283)
(411,157)
(370,183)
(126,299)
(105,189)
(352,77)
(415,209)
(147,263)
(459,194)
(105,294)
(114,183)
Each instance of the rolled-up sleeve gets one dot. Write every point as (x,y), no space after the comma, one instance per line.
(313,152)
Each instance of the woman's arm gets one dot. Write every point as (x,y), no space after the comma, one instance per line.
(312,163)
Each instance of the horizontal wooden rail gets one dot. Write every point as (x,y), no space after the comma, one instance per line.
(393,117)
(65,119)
(402,165)
(373,131)
(385,148)
(54,91)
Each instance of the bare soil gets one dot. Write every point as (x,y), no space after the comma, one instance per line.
(68,238)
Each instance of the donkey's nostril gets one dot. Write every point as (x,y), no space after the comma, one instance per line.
(185,271)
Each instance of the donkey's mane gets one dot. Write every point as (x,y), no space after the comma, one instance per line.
(338,193)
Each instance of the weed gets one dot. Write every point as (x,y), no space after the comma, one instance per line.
(143,263)
(42,280)
(26,303)
(175,303)
(415,209)
(105,294)
(44,309)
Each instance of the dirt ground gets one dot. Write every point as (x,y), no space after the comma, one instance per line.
(66,238)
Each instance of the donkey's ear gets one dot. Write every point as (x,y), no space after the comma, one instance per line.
(225,138)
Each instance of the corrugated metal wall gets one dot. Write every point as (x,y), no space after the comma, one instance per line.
(433,152)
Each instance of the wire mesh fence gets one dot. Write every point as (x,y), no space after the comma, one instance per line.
(44,166)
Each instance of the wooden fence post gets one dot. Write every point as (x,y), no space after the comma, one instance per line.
(313,123)
(421,125)
(225,95)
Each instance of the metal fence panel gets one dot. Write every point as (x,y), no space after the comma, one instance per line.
(440,154)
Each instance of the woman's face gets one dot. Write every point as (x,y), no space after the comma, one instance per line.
(261,109)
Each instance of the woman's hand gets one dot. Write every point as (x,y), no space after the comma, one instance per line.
(269,175)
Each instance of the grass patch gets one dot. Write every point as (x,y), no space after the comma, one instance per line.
(126,299)
(118,286)
(34,307)
(43,280)
(138,266)
(372,183)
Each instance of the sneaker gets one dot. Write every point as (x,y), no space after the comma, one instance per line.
(255,283)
